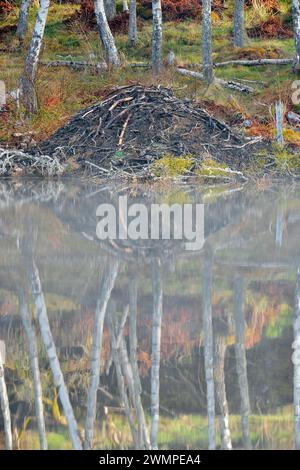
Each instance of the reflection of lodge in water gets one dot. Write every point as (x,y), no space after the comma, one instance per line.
(50,248)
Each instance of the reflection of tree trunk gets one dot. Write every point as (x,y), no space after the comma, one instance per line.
(208,348)
(120,378)
(142,425)
(241,360)
(296,362)
(107,285)
(34,364)
(156,342)
(5,407)
(222,405)
(50,348)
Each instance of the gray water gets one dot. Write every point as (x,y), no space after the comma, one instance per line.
(226,309)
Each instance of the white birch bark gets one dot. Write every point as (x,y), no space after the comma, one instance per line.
(107,39)
(241,359)
(27,80)
(208,348)
(132,29)
(219,363)
(34,365)
(5,407)
(107,285)
(157,287)
(40,305)
(239,31)
(156,36)
(296,24)
(296,363)
(23,20)
(125,5)
(207,42)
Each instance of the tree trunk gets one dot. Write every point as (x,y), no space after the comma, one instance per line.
(23,20)
(239,31)
(40,305)
(207,42)
(125,5)
(143,433)
(5,407)
(222,405)
(296,24)
(107,39)
(27,85)
(132,31)
(34,365)
(156,343)
(156,36)
(120,379)
(296,362)
(110,9)
(108,282)
(241,360)
(208,348)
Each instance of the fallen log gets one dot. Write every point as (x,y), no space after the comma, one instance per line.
(233,85)
(255,62)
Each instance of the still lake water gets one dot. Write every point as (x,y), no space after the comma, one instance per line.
(139,343)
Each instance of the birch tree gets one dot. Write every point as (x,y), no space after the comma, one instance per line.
(156,36)
(27,81)
(125,5)
(208,348)
(50,348)
(5,407)
(132,29)
(143,434)
(34,365)
(23,20)
(115,348)
(296,24)
(107,39)
(296,362)
(207,42)
(241,360)
(222,404)
(239,31)
(107,284)
(157,287)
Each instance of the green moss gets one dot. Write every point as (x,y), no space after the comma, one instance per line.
(171,166)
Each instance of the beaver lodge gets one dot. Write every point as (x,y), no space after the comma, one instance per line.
(143,132)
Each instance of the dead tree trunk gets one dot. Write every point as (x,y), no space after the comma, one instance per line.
(107,39)
(296,25)
(157,287)
(207,42)
(241,360)
(27,81)
(108,282)
(222,405)
(110,9)
(239,31)
(296,362)
(23,20)
(132,30)
(40,305)
(156,36)
(5,406)
(208,348)
(34,365)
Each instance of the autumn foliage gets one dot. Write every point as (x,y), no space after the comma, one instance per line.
(5,7)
